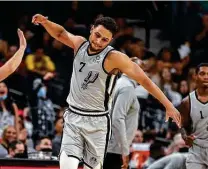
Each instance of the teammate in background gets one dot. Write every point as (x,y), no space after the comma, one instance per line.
(11,65)
(87,126)
(194,120)
(125,117)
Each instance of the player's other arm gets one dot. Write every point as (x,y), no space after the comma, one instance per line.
(186,122)
(121,107)
(10,66)
(130,68)
(58,32)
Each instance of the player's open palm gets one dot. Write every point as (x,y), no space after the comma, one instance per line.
(172,112)
(22,40)
(38,19)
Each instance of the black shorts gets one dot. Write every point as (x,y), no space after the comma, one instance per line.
(112,161)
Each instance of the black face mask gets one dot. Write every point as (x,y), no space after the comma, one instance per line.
(183,150)
(20,155)
(46,150)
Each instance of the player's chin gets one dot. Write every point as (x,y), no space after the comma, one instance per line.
(97,49)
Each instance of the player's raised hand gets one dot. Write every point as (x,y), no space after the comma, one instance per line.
(49,75)
(22,40)
(172,112)
(38,19)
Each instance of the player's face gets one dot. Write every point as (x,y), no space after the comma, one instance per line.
(202,77)
(99,38)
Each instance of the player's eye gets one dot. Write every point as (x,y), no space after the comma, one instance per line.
(97,35)
(202,73)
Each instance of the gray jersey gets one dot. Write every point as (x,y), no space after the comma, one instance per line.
(124,112)
(199,117)
(91,85)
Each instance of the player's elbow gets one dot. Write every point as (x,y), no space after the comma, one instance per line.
(60,34)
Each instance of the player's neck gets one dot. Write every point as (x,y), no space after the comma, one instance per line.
(91,51)
(202,91)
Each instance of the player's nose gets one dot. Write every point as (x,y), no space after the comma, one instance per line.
(98,41)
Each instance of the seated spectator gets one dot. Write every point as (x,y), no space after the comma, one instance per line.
(16,150)
(138,138)
(43,149)
(8,109)
(28,143)
(9,135)
(27,120)
(176,145)
(140,149)
(164,58)
(168,87)
(44,144)
(156,152)
(39,63)
(172,161)
(183,88)
(192,79)
(58,136)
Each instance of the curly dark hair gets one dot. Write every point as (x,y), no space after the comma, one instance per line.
(201,65)
(108,22)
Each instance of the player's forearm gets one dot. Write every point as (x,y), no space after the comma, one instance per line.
(154,90)
(10,66)
(55,30)
(15,61)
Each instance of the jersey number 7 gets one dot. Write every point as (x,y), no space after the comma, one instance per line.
(82,66)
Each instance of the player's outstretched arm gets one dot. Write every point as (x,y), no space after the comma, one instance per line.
(58,32)
(124,64)
(10,66)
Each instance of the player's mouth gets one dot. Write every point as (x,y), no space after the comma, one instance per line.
(97,46)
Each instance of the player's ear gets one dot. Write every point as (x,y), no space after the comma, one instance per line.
(92,28)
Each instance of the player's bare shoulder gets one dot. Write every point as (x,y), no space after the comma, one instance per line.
(184,107)
(115,57)
(115,54)
(70,39)
(112,60)
(78,41)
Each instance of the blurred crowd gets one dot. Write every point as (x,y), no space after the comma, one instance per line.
(32,100)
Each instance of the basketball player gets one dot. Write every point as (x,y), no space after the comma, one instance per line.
(124,114)
(11,65)
(87,126)
(194,117)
